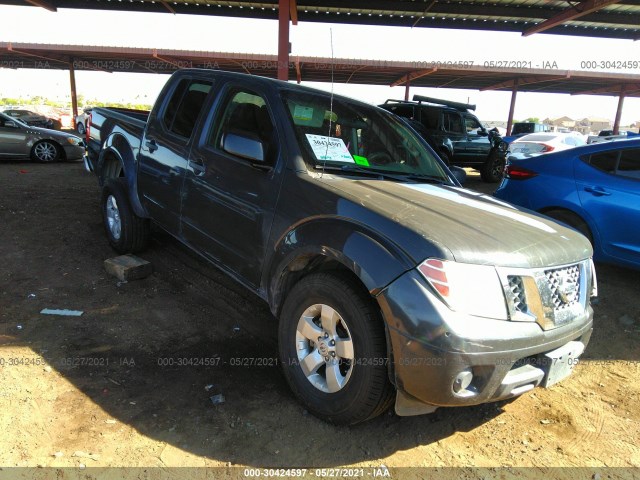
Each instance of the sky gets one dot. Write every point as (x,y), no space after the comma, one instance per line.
(224,34)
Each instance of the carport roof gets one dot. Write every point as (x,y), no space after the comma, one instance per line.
(315,69)
(594,18)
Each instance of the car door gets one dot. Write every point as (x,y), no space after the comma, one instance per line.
(164,151)
(454,129)
(13,138)
(229,201)
(609,190)
(476,145)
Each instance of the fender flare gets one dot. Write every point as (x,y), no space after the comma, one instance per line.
(116,146)
(373,259)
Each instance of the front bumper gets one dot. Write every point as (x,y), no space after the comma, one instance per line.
(74,152)
(444,358)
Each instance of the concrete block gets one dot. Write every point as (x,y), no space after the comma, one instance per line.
(128,267)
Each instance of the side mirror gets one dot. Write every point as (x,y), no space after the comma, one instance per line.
(245,147)
(481,132)
(11,124)
(459,174)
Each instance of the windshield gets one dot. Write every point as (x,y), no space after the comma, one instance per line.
(357,137)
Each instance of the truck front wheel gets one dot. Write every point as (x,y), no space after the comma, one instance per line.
(493,169)
(333,350)
(126,232)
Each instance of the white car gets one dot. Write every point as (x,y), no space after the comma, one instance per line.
(540,143)
(81,121)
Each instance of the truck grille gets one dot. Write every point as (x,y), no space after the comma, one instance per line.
(550,297)
(565,286)
(519,298)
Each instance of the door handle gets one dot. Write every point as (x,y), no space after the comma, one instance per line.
(597,191)
(197,165)
(151,145)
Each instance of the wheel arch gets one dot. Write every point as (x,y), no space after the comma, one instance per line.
(581,215)
(352,249)
(61,153)
(117,160)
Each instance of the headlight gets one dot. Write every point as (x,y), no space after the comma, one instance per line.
(468,288)
(74,141)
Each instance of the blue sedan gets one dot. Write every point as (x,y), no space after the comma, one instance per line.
(594,189)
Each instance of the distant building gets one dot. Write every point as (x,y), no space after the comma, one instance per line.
(586,126)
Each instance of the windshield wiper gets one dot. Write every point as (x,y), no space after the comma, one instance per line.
(399,176)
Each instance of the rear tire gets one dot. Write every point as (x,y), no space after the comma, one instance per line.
(333,350)
(80,129)
(572,220)
(126,232)
(493,169)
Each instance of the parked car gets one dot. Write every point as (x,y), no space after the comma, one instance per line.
(541,143)
(595,189)
(524,128)
(30,118)
(19,140)
(454,133)
(389,280)
(81,121)
(608,136)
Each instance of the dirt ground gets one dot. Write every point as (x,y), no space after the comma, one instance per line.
(128,383)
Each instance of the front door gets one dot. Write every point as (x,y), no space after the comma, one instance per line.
(12,139)
(229,201)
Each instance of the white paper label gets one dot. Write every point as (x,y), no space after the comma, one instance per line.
(328,148)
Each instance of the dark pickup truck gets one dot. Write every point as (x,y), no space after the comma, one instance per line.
(389,281)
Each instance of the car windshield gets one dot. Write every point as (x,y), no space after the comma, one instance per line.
(349,135)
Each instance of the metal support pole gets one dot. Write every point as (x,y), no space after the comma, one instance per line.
(616,123)
(406,89)
(74,94)
(283,39)
(512,107)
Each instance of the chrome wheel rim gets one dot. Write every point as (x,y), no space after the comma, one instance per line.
(325,348)
(46,151)
(113,218)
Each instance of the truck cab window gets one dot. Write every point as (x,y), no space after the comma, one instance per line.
(452,122)
(472,124)
(245,113)
(185,105)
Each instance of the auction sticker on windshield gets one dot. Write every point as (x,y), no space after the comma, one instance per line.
(331,149)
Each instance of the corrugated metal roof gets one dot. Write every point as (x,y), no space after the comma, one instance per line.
(607,18)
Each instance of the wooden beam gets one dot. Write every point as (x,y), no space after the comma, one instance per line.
(613,89)
(298,70)
(74,94)
(412,76)
(293,12)
(42,4)
(283,39)
(616,122)
(426,10)
(525,81)
(575,11)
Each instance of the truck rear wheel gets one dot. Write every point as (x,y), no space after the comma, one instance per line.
(493,169)
(126,232)
(333,350)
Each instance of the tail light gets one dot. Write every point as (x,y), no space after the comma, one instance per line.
(547,148)
(515,172)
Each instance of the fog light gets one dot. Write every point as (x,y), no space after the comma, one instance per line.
(462,381)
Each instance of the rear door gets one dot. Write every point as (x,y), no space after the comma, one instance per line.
(165,150)
(229,201)
(609,189)
(12,139)
(477,145)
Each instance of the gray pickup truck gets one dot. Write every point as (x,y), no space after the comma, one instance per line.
(389,281)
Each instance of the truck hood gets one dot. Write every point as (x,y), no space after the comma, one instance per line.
(472,227)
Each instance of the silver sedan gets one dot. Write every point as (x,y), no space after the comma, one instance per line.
(19,140)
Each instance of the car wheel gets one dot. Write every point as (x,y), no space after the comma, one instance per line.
(493,169)
(126,232)
(45,151)
(572,220)
(333,350)
(80,128)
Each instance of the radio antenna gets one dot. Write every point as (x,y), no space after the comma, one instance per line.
(326,153)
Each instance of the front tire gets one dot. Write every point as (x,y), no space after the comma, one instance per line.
(45,151)
(333,350)
(493,169)
(80,129)
(126,232)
